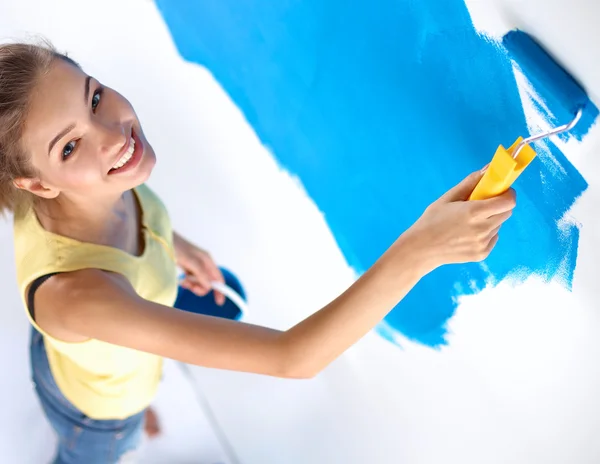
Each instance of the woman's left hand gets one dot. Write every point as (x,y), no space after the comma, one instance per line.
(199,268)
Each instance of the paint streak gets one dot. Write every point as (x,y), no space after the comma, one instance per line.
(379,108)
(557,93)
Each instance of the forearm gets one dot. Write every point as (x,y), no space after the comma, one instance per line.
(308,347)
(318,340)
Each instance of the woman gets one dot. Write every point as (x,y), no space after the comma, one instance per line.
(96,262)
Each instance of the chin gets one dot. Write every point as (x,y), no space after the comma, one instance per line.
(141,173)
(145,168)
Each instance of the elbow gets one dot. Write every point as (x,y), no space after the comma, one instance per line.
(295,365)
(298,372)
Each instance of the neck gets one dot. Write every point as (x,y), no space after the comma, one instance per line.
(90,219)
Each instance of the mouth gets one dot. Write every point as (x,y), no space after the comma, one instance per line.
(130,156)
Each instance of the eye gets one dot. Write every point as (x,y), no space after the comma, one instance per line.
(96,99)
(68,149)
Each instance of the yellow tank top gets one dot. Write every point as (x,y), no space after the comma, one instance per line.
(102,380)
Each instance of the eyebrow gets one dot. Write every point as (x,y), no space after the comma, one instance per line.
(66,130)
(86,93)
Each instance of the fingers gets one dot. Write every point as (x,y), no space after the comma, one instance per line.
(462,191)
(498,219)
(491,245)
(191,283)
(497,205)
(489,234)
(219,298)
(201,288)
(493,232)
(215,274)
(200,272)
(484,247)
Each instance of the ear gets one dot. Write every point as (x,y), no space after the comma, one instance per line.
(35,186)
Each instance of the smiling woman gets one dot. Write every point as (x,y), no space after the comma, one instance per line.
(95,135)
(97,261)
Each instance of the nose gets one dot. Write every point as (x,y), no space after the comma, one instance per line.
(113,136)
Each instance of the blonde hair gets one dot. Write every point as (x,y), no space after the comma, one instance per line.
(21,67)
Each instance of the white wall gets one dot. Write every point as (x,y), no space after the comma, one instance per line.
(518,381)
(525,392)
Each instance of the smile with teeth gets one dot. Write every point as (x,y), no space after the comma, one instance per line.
(126,156)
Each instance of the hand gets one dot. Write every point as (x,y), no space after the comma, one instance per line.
(455,230)
(199,268)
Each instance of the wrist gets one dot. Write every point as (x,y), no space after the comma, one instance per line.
(412,251)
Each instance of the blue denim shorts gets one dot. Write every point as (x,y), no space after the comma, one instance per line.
(82,440)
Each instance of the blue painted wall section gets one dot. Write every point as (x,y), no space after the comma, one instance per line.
(379,107)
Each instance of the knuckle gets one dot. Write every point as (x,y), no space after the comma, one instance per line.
(483,246)
(476,257)
(483,255)
(482,237)
(482,252)
(511,198)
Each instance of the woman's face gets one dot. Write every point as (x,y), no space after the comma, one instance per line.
(84,139)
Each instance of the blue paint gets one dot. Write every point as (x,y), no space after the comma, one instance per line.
(558,90)
(379,108)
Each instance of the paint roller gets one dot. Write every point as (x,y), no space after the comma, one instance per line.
(562,96)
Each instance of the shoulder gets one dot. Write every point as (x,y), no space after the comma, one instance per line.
(65,301)
(83,286)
